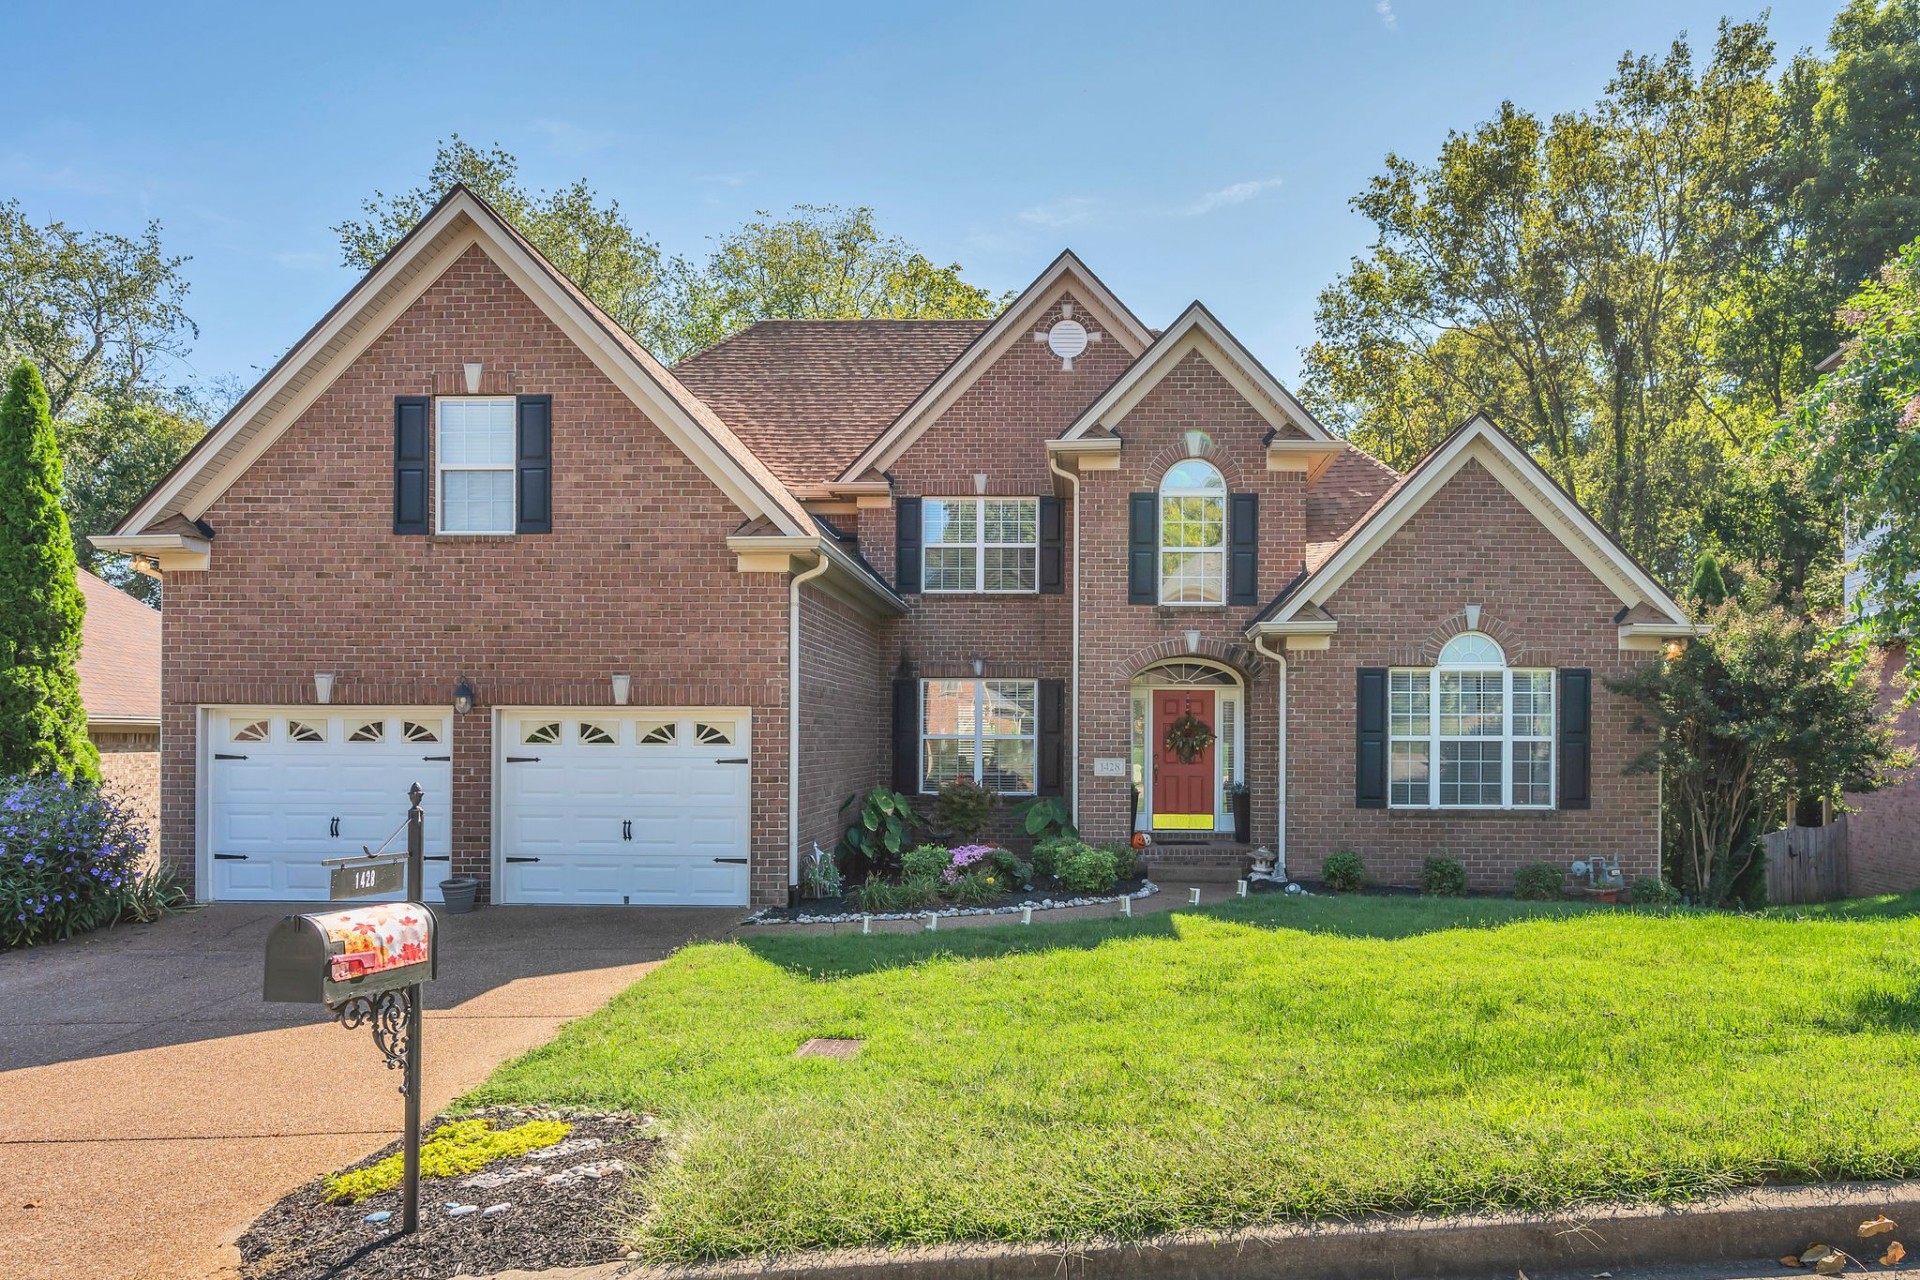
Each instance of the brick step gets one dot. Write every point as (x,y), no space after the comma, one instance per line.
(1200,860)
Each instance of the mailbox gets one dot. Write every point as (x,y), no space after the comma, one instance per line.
(332,956)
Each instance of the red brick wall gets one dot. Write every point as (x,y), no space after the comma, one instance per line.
(1883,831)
(845,666)
(1472,544)
(635,578)
(130,768)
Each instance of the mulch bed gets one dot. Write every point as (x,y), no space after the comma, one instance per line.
(1045,895)
(562,1223)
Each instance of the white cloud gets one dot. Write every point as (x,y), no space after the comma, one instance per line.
(1385,9)
(1063,212)
(1238,193)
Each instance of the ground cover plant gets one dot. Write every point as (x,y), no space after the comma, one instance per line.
(1278,1057)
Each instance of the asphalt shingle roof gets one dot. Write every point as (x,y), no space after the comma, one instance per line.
(119,654)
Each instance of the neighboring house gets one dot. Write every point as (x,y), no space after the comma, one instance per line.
(120,689)
(640,632)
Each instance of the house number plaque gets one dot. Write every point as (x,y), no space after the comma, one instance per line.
(367,879)
(1110,767)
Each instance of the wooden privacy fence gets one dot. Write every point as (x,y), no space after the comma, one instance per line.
(1807,864)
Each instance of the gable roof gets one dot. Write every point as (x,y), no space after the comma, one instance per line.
(808,395)
(119,657)
(1197,329)
(1065,273)
(460,221)
(1476,440)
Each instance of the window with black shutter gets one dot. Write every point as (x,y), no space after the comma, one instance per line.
(411,415)
(533,464)
(906,545)
(1576,738)
(1370,738)
(1143,548)
(1243,549)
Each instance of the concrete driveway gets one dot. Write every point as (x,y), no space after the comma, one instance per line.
(151,1105)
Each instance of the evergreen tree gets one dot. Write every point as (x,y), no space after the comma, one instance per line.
(1709,588)
(43,727)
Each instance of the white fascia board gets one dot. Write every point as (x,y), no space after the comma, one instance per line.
(1480,441)
(980,355)
(1654,636)
(774,553)
(169,551)
(1197,330)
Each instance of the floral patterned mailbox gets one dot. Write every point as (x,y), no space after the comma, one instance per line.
(332,956)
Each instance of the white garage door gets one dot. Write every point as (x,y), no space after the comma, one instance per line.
(291,786)
(624,806)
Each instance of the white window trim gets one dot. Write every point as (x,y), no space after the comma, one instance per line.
(1161,551)
(979,737)
(1507,739)
(440,469)
(980,546)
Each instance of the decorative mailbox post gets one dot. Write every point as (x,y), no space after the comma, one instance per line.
(366,964)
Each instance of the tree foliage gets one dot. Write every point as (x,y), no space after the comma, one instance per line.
(1757,713)
(818,262)
(113,453)
(43,727)
(1638,290)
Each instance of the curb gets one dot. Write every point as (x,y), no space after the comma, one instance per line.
(1765,1222)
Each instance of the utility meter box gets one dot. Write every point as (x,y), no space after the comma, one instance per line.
(332,956)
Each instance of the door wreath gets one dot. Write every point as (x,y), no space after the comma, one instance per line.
(1187,737)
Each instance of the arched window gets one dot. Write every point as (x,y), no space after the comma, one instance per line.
(1193,534)
(1470,732)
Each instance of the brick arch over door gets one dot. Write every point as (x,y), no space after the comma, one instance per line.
(1244,661)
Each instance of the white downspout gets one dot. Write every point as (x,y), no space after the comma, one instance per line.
(1280,831)
(1073,751)
(793,714)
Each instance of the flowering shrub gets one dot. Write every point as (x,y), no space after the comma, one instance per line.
(966,858)
(72,858)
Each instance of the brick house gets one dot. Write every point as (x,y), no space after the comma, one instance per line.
(640,631)
(119,672)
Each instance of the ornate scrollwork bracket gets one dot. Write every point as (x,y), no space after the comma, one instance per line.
(386,1012)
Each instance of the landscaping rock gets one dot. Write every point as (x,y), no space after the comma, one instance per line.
(845,910)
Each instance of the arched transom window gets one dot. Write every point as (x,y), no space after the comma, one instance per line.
(1193,534)
(1470,732)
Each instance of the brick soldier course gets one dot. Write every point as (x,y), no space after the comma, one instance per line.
(685,504)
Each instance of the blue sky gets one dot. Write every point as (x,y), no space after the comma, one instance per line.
(1184,150)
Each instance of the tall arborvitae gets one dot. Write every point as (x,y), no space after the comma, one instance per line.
(1709,587)
(43,727)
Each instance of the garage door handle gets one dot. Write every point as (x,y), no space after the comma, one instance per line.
(438,857)
(740,862)
(626,829)
(333,827)
(436,757)
(740,760)
(523,859)
(523,759)
(222,755)
(229,857)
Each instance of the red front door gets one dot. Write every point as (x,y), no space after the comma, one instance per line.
(1182,790)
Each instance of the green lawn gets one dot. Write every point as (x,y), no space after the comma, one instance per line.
(1271,1059)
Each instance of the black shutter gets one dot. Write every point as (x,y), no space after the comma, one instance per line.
(533,459)
(906,736)
(1053,737)
(1053,548)
(1243,549)
(411,415)
(1370,739)
(1576,738)
(1143,548)
(906,545)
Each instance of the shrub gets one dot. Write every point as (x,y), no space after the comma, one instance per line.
(1008,866)
(1443,878)
(974,888)
(924,860)
(963,807)
(1126,859)
(72,858)
(1047,854)
(1086,870)
(878,834)
(459,1147)
(966,860)
(1539,881)
(1652,891)
(1343,872)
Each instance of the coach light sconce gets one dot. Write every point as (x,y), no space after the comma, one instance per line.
(1193,642)
(323,687)
(473,377)
(622,686)
(463,695)
(1674,649)
(979,665)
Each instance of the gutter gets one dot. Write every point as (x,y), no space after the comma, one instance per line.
(819,567)
(1280,830)
(1073,750)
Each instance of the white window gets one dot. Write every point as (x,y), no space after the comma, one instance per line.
(980,544)
(474,455)
(1193,535)
(986,730)
(1470,732)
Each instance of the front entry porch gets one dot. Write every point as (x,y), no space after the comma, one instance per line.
(1187,746)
